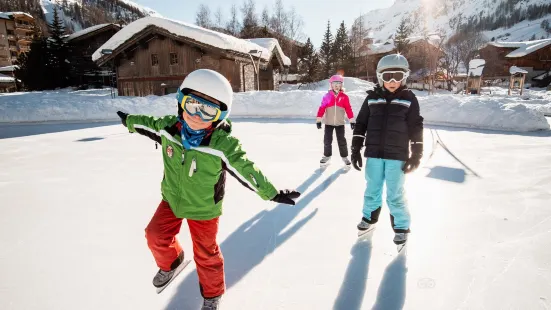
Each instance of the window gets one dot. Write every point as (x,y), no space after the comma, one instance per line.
(154,60)
(10,32)
(173,58)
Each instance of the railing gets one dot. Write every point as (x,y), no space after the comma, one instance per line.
(26,38)
(17,25)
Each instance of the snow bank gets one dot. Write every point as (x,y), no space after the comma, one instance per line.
(488,112)
(350,84)
(481,112)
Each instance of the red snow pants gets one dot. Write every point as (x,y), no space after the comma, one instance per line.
(161,238)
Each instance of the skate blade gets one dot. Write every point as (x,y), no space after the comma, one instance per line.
(176,273)
(365,233)
(402,248)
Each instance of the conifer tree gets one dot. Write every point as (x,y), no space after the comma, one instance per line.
(326,53)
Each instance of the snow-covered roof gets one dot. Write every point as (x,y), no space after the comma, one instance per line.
(270,44)
(6,79)
(476,66)
(515,69)
(9,68)
(86,31)
(206,36)
(522,48)
(542,76)
(389,45)
(8,15)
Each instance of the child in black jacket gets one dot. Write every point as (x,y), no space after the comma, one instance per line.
(389,123)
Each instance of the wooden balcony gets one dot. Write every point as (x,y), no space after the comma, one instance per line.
(24,38)
(24,26)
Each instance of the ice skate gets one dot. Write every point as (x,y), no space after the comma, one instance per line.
(365,227)
(400,239)
(325,161)
(211,303)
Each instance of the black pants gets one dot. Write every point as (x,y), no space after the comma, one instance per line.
(328,140)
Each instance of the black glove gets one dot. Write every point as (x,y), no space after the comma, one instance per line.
(123,116)
(411,164)
(286,196)
(352,125)
(356,158)
(319,125)
(356,155)
(415,159)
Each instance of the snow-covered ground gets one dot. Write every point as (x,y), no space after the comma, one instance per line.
(489,111)
(75,205)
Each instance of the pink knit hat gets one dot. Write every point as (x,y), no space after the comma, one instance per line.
(336,78)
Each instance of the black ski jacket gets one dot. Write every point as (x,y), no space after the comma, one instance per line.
(388,122)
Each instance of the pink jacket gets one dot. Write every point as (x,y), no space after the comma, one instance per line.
(335,108)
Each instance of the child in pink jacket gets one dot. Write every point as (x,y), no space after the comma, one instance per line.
(335,106)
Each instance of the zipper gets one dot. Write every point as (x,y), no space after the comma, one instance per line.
(193,167)
(383,138)
(335,111)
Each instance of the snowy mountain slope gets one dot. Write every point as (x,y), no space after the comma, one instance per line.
(78,19)
(446,14)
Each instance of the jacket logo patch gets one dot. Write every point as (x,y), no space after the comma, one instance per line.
(169,151)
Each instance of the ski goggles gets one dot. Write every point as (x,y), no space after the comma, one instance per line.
(195,105)
(396,76)
(336,83)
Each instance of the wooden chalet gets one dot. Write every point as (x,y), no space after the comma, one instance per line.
(83,44)
(371,53)
(532,56)
(153,55)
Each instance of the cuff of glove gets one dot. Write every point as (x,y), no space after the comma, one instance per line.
(318,119)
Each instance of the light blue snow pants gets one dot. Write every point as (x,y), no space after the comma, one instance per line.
(378,170)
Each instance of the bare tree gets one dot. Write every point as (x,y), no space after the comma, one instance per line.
(279,21)
(451,58)
(218,18)
(250,19)
(233,26)
(202,19)
(265,17)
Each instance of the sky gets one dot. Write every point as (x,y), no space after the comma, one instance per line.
(314,13)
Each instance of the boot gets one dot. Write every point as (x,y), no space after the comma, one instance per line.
(346,161)
(211,303)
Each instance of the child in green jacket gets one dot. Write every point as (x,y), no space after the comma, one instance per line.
(198,150)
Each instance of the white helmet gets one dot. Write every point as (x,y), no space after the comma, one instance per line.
(210,83)
(393,61)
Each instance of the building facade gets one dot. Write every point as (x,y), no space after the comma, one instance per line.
(16,29)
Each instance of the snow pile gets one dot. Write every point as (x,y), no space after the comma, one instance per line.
(350,85)
(269,44)
(515,69)
(481,112)
(476,66)
(490,112)
(206,36)
(533,98)
(66,105)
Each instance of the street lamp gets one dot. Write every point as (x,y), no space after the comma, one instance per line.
(109,52)
(257,68)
